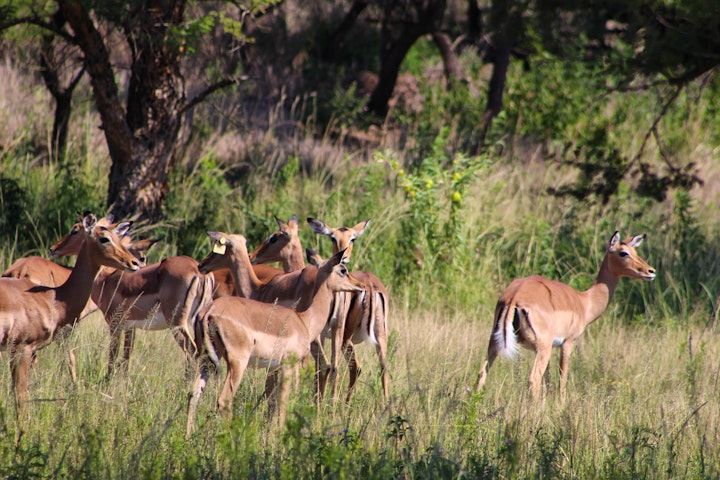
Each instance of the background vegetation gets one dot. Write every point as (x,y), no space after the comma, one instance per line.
(450,227)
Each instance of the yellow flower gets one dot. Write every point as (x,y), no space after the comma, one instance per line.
(456,196)
(428,183)
(401,172)
(456,177)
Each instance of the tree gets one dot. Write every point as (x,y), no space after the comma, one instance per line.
(402,23)
(141,133)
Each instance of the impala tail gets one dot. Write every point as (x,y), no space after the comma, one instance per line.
(504,330)
(205,331)
(377,313)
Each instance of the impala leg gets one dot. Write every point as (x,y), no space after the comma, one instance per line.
(492,354)
(20,361)
(62,335)
(128,344)
(284,391)
(381,349)
(353,367)
(236,369)
(321,369)
(114,348)
(338,332)
(542,358)
(195,393)
(271,383)
(565,352)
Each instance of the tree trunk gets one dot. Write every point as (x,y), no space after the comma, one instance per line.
(450,60)
(336,40)
(142,139)
(49,69)
(397,36)
(506,23)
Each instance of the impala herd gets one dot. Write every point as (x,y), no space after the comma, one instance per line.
(232,306)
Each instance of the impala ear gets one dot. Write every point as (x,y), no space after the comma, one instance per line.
(336,259)
(279,222)
(293,219)
(313,257)
(318,226)
(122,228)
(89,220)
(219,242)
(636,240)
(360,227)
(614,241)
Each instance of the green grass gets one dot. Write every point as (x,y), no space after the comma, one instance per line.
(643,397)
(642,402)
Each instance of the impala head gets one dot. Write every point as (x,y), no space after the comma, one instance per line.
(342,237)
(274,248)
(71,242)
(223,245)
(105,245)
(139,248)
(334,272)
(624,260)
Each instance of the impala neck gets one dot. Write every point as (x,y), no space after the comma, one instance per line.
(246,281)
(296,260)
(72,296)
(599,295)
(315,317)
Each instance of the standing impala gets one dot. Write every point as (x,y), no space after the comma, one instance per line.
(42,271)
(357,316)
(540,314)
(164,295)
(30,314)
(247,333)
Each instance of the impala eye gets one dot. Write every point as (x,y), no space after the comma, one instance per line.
(104,240)
(623,253)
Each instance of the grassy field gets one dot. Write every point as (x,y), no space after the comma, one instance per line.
(447,235)
(643,402)
(643,397)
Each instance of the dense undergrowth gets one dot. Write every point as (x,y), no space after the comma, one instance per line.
(448,232)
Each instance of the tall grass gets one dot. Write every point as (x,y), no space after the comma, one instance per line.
(643,397)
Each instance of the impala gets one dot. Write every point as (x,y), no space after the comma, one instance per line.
(284,246)
(164,295)
(30,314)
(44,272)
(539,314)
(357,316)
(246,332)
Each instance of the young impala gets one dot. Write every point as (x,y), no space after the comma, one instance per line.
(357,317)
(30,314)
(247,332)
(539,314)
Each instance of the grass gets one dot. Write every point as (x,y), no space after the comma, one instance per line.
(643,397)
(642,402)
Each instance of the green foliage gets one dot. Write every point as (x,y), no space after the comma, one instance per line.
(12,207)
(432,232)
(198,201)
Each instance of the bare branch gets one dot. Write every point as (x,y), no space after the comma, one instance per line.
(200,97)
(656,122)
(36,21)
